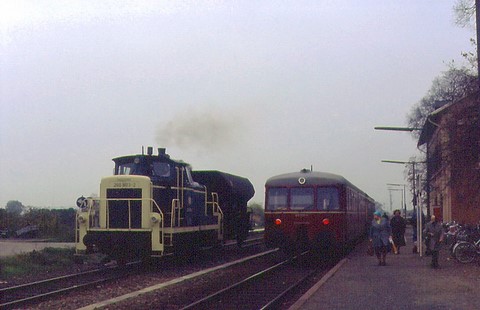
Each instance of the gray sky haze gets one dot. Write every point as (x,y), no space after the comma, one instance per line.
(253,88)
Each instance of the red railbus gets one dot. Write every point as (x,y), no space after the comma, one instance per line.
(315,210)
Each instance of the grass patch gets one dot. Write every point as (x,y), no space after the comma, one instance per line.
(36,262)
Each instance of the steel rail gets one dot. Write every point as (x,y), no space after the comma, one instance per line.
(39,297)
(274,302)
(8,297)
(51,280)
(249,279)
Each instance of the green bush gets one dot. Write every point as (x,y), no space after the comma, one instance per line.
(35,262)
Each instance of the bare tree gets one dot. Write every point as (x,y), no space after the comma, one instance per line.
(467,14)
(464,11)
(453,84)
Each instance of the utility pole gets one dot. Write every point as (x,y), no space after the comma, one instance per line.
(390,192)
(477,25)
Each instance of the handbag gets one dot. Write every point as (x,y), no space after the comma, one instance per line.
(370,248)
(394,247)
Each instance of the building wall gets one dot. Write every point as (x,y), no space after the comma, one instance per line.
(454,162)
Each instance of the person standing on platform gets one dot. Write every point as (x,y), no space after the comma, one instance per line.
(379,235)
(434,231)
(398,224)
(385,215)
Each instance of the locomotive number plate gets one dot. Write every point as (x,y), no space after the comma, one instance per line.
(123,184)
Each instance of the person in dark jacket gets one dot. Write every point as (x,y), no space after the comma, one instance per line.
(380,234)
(398,224)
(434,231)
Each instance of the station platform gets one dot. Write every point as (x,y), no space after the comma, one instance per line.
(406,282)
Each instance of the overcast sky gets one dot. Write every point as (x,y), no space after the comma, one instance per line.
(253,88)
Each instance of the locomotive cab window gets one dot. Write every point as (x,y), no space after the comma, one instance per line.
(301,199)
(188,172)
(137,167)
(161,169)
(125,169)
(277,199)
(327,198)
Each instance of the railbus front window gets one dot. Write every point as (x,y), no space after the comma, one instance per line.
(327,198)
(302,199)
(277,199)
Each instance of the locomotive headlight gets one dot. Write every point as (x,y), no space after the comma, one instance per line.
(326,221)
(155,218)
(278,221)
(81,219)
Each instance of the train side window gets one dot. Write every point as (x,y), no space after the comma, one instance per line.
(327,198)
(301,199)
(277,199)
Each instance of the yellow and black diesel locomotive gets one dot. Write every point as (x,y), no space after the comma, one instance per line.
(154,205)
(315,210)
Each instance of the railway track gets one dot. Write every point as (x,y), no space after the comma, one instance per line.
(21,295)
(263,281)
(15,297)
(265,289)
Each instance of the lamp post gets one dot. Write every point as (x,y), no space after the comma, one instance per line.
(404,200)
(418,211)
(414,186)
(477,23)
(409,129)
(397,128)
(403,206)
(390,190)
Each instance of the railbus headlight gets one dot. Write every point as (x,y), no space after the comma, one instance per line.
(326,221)
(81,219)
(278,221)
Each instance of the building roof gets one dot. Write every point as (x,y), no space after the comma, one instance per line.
(431,123)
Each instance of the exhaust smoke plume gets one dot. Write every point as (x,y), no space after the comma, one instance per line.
(201,130)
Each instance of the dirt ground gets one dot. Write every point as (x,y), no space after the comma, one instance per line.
(9,247)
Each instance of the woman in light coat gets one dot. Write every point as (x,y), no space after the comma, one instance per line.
(380,235)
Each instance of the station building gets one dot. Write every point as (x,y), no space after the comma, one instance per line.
(452,137)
